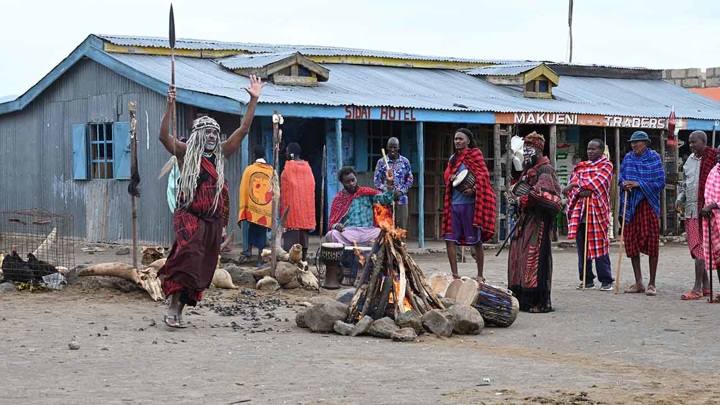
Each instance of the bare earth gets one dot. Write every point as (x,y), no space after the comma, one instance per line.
(596,348)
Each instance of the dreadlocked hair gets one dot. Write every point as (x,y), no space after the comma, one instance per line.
(191,167)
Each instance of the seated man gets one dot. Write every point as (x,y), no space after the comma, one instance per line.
(351,212)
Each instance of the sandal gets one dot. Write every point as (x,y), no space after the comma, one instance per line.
(174,322)
(706,292)
(634,289)
(714,300)
(651,291)
(692,295)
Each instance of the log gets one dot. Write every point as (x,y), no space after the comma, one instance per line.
(121,270)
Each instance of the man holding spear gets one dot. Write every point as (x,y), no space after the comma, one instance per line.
(588,213)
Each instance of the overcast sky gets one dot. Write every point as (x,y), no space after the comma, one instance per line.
(37,35)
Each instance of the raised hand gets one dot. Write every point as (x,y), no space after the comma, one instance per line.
(171,94)
(256,86)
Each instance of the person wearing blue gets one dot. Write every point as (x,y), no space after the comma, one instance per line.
(403,180)
(642,179)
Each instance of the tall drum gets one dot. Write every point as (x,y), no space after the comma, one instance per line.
(331,254)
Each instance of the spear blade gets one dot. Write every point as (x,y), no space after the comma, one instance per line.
(172,27)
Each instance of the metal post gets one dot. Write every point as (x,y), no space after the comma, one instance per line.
(338,142)
(553,144)
(420,139)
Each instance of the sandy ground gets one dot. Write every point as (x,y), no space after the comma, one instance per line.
(596,348)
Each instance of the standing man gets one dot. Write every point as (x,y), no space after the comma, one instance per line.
(530,259)
(201,205)
(589,187)
(297,196)
(642,179)
(256,195)
(402,180)
(689,203)
(351,211)
(468,216)
(711,222)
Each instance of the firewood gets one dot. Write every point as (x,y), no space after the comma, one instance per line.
(387,286)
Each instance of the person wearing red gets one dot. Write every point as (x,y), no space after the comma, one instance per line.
(297,197)
(468,216)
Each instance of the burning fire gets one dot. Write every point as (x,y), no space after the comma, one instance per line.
(384,219)
(407,306)
(359,254)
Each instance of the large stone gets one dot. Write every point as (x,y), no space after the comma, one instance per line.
(239,275)
(343,328)
(322,317)
(439,321)
(383,328)
(404,335)
(362,326)
(7,287)
(410,319)
(447,302)
(300,318)
(468,320)
(345,296)
(320,299)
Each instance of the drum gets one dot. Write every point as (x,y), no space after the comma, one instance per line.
(351,262)
(464,180)
(331,254)
(496,305)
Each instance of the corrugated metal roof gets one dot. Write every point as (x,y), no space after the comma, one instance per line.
(437,89)
(503,70)
(307,50)
(253,61)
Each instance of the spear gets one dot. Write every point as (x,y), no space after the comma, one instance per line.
(135,180)
(171,39)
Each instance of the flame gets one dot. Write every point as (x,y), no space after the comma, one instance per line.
(359,254)
(384,220)
(407,306)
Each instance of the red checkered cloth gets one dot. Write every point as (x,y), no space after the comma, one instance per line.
(694,238)
(642,233)
(707,162)
(595,176)
(712,196)
(484,193)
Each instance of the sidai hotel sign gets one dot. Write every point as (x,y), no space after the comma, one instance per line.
(612,121)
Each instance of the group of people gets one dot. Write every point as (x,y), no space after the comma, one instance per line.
(200,194)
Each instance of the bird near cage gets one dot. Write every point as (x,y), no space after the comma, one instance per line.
(15,269)
(41,268)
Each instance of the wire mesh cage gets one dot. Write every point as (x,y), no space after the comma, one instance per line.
(46,235)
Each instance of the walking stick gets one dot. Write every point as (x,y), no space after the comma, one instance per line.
(712,260)
(622,231)
(322,193)
(277,120)
(587,225)
(133,190)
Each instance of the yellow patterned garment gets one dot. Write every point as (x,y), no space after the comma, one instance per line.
(256,194)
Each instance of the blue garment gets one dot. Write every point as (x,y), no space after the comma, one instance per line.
(402,177)
(647,170)
(458,197)
(602,263)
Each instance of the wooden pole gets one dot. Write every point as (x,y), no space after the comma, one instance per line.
(277,120)
(616,212)
(420,135)
(587,226)
(622,242)
(322,191)
(387,167)
(134,170)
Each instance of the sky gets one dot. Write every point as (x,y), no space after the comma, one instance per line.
(37,35)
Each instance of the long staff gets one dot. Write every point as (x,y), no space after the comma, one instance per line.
(171,39)
(622,243)
(387,167)
(133,189)
(587,226)
(712,260)
(277,120)
(322,191)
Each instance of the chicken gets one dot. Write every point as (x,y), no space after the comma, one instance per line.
(15,269)
(41,268)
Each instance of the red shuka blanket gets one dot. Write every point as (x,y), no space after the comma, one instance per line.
(341,203)
(484,193)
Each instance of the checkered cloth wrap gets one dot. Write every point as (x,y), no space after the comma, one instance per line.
(642,233)
(595,176)
(712,196)
(694,238)
(647,170)
(484,193)
(707,162)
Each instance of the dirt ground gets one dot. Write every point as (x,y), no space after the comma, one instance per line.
(242,346)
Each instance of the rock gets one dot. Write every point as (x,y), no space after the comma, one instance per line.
(239,275)
(73,345)
(292,285)
(343,328)
(300,318)
(7,288)
(319,299)
(383,328)
(410,319)
(322,317)
(345,296)
(222,279)
(362,326)
(123,251)
(439,321)
(468,320)
(267,283)
(447,302)
(404,335)
(285,273)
